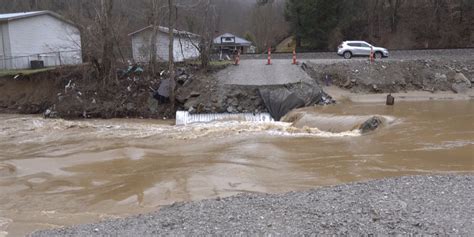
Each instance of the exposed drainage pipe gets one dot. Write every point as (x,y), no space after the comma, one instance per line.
(184,117)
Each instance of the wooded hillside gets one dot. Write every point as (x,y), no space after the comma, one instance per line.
(397,24)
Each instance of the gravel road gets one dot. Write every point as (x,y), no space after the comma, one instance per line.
(256,72)
(419,205)
(455,54)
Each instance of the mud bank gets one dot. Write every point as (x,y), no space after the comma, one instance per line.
(392,76)
(419,205)
(76,92)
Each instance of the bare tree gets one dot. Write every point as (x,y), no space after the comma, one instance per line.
(203,15)
(268,23)
(155,15)
(395,6)
(171,26)
(108,59)
(207,32)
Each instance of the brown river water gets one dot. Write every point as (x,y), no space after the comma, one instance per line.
(57,172)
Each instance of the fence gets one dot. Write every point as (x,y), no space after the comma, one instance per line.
(50,59)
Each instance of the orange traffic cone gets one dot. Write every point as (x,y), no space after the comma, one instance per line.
(269,62)
(372,58)
(237,59)
(294,57)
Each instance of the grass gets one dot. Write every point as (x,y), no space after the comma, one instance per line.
(286,46)
(23,71)
(221,63)
(212,63)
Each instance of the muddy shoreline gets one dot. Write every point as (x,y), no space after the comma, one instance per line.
(420,205)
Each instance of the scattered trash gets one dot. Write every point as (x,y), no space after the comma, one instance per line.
(68,86)
(18,76)
(131,70)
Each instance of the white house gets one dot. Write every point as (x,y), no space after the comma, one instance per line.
(185,45)
(42,35)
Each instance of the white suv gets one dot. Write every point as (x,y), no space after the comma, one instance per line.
(349,49)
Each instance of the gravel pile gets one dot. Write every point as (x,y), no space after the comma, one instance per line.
(426,205)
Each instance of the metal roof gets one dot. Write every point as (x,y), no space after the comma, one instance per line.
(21,15)
(9,16)
(238,40)
(165,30)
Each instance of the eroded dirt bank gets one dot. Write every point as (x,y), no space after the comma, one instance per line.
(75,92)
(392,76)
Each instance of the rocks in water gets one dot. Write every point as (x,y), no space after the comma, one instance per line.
(50,113)
(371,124)
(460,83)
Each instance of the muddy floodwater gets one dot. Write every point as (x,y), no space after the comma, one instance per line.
(57,172)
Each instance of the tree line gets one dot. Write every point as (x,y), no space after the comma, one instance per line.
(397,24)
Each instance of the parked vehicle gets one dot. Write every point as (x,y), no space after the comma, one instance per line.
(349,49)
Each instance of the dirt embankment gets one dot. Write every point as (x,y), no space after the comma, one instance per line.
(76,92)
(391,76)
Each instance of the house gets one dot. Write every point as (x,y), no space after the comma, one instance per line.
(228,44)
(185,45)
(42,36)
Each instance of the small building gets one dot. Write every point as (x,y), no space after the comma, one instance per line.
(185,45)
(43,37)
(228,44)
